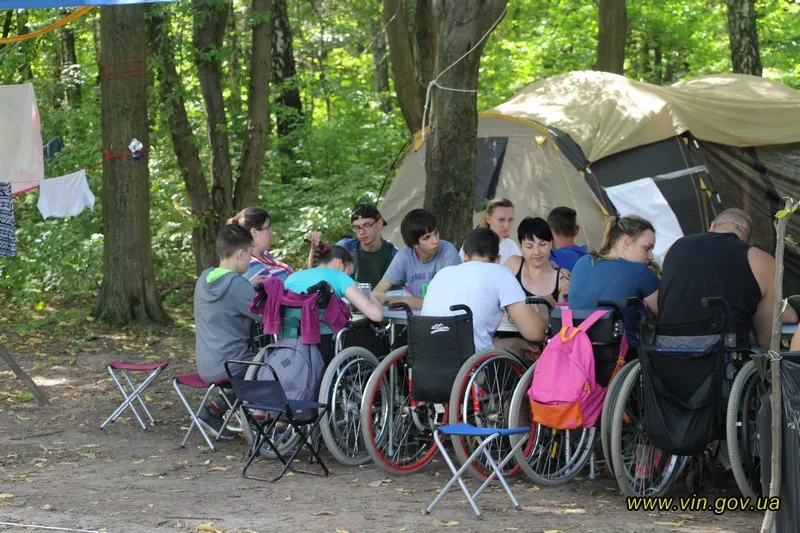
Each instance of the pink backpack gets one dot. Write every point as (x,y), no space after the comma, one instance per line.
(564,393)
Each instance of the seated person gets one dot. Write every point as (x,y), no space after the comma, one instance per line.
(371,253)
(222,320)
(720,263)
(565,253)
(334,265)
(488,289)
(499,218)
(416,265)
(262,263)
(533,270)
(619,270)
(795,346)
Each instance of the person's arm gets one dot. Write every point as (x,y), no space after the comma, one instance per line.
(795,346)
(648,285)
(652,304)
(244,293)
(369,306)
(413,302)
(528,322)
(512,263)
(379,292)
(763,266)
(394,275)
(315,237)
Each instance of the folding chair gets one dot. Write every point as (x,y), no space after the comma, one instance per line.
(269,396)
(485,436)
(136,391)
(194,381)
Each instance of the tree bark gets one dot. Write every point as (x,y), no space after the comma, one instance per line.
(70,67)
(128,292)
(612,34)
(235,80)
(450,150)
(412,58)
(380,67)
(22,29)
(171,95)
(255,142)
(209,23)
(289,112)
(743,35)
(9,15)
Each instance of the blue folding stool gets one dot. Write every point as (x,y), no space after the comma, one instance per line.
(485,436)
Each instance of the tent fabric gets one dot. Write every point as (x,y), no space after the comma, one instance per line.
(606,113)
(21,156)
(31,4)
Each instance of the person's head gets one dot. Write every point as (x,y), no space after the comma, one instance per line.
(733,221)
(258,223)
(234,246)
(420,230)
(367,223)
(334,257)
(499,217)
(482,244)
(535,240)
(562,222)
(631,237)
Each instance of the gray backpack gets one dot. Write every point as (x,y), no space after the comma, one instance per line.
(299,368)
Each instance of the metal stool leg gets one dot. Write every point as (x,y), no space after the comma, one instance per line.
(130,398)
(194,415)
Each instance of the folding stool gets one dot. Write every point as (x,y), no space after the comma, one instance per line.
(136,391)
(485,436)
(194,381)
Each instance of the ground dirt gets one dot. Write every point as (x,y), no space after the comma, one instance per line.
(60,470)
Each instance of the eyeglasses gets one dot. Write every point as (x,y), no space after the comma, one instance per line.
(363,227)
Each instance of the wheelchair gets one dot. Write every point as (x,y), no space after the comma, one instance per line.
(554,456)
(669,410)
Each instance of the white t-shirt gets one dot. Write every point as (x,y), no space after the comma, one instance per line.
(487,288)
(508,248)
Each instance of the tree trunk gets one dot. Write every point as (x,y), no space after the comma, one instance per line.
(128,292)
(743,35)
(22,29)
(235,81)
(612,34)
(255,142)
(209,22)
(380,67)
(450,152)
(70,67)
(9,15)
(171,95)
(289,112)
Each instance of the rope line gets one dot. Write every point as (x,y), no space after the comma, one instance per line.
(47,29)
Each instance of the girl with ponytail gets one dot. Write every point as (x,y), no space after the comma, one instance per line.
(262,263)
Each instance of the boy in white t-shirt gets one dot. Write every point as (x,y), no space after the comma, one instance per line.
(488,289)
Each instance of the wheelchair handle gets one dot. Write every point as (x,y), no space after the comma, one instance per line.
(401,306)
(533,300)
(462,307)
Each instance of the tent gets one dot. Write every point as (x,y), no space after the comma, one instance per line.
(603,144)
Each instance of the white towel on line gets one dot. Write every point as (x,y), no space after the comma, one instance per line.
(66,196)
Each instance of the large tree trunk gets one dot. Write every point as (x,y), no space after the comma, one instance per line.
(743,35)
(612,35)
(380,66)
(289,112)
(450,155)
(128,292)
(209,22)
(70,67)
(235,80)
(412,57)
(255,142)
(171,95)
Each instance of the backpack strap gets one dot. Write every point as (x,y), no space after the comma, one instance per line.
(623,351)
(592,319)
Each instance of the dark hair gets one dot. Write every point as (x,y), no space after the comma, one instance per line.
(232,238)
(531,227)
(251,217)
(482,242)
(365,211)
(632,226)
(562,221)
(415,224)
(491,206)
(324,254)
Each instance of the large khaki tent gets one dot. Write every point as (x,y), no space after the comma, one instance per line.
(601,143)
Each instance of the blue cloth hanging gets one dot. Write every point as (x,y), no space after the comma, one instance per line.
(8,237)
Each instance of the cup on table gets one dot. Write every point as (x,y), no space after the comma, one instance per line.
(365,288)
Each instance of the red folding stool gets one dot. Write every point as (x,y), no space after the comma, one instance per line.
(137,392)
(193,381)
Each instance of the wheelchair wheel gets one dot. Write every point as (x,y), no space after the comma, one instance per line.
(481,396)
(397,432)
(551,456)
(742,430)
(605,416)
(342,388)
(640,468)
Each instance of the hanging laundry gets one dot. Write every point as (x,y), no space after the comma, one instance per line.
(53,147)
(66,196)
(20,138)
(8,237)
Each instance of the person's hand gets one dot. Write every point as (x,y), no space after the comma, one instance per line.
(563,284)
(315,237)
(258,279)
(379,297)
(528,350)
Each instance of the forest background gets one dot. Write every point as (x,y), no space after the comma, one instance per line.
(336,122)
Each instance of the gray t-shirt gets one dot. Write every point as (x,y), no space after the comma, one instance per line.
(406,268)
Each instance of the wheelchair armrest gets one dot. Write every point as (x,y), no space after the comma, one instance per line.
(533,300)
(401,306)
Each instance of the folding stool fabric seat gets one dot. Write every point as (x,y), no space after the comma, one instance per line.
(135,393)
(485,437)
(194,381)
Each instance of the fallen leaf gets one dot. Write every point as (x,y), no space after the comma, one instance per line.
(140,461)
(566,504)
(149,474)
(23,417)
(552,531)
(404,491)
(206,527)
(667,524)
(574,511)
(5,495)
(230,457)
(324,513)
(207,462)
(652,515)
(47,507)
(287,499)
(686,516)
(379,482)
(342,531)
(219,468)
(445,524)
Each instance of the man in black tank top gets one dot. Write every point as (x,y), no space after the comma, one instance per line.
(719,263)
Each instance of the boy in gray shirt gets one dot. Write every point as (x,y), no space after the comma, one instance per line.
(415,266)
